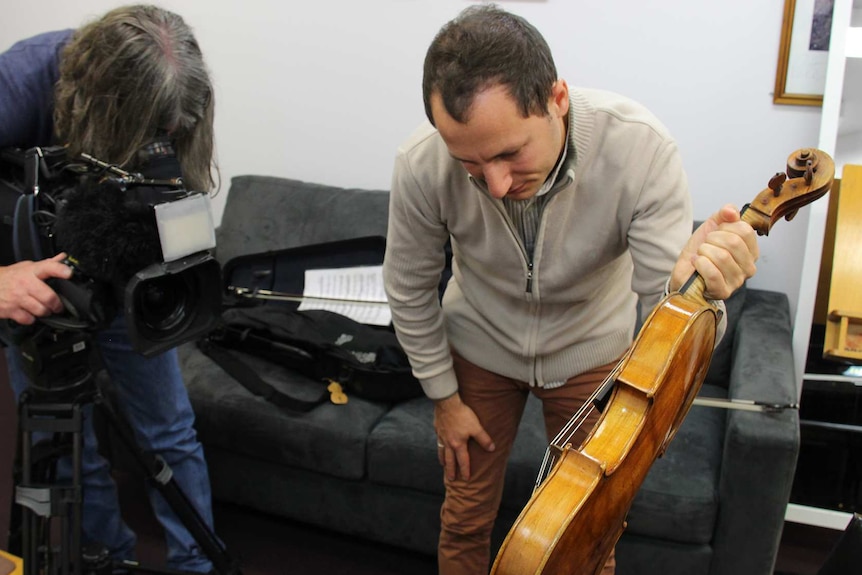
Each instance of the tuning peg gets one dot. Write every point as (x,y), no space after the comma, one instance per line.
(776,181)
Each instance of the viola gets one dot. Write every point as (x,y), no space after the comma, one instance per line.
(583,493)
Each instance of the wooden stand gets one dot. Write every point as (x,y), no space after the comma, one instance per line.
(844,335)
(844,320)
(9,564)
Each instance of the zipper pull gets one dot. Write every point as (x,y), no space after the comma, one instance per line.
(336,392)
(530,277)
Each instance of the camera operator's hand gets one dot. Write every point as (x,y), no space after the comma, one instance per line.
(24,295)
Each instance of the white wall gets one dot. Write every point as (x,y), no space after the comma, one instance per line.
(324,90)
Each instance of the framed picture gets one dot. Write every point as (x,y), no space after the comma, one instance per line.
(803,52)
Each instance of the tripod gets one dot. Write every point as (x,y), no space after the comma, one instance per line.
(61,370)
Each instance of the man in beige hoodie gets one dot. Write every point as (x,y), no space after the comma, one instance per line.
(564,207)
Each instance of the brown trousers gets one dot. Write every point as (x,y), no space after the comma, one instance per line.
(470,507)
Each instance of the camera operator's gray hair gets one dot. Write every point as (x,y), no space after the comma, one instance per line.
(133,76)
(485,46)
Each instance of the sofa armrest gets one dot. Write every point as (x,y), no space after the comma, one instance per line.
(760,448)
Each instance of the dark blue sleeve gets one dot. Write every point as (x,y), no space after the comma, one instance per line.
(28,72)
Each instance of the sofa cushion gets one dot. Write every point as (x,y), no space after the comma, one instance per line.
(402,451)
(678,500)
(329,439)
(295,213)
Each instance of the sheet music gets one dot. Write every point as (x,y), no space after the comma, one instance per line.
(362,286)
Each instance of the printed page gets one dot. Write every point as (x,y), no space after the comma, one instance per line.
(355,292)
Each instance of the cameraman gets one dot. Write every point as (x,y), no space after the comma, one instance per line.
(123,89)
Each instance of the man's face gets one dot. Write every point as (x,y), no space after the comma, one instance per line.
(512,154)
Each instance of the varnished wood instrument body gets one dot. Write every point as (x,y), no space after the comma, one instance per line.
(577,513)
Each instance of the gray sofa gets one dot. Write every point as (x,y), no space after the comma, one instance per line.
(714,504)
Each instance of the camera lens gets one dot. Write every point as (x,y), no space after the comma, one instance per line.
(163,304)
(167,304)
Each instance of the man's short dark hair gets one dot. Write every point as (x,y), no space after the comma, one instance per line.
(486,46)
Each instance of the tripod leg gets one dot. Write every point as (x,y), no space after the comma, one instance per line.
(161,476)
(40,499)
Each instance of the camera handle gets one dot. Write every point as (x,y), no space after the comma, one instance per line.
(41,499)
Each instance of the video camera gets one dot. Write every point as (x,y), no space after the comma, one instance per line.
(137,245)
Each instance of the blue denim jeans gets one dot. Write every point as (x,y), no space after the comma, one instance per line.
(153,399)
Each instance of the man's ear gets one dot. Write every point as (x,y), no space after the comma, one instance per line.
(558,103)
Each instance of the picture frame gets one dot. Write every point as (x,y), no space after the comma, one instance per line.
(803,52)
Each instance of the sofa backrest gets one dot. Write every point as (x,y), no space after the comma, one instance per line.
(265,213)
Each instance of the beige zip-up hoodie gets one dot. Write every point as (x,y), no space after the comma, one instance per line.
(610,234)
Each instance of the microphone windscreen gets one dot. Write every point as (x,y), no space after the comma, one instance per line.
(111,236)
